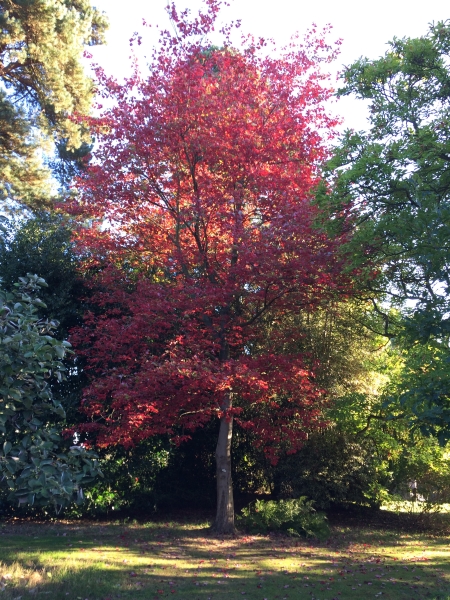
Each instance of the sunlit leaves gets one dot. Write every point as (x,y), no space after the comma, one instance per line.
(43,85)
(394,180)
(202,225)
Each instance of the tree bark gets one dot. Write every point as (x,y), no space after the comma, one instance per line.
(224,523)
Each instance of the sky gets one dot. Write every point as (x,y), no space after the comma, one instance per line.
(364,27)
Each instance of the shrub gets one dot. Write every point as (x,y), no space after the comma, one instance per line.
(296,517)
(332,468)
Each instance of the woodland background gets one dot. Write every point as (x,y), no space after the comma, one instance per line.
(381,352)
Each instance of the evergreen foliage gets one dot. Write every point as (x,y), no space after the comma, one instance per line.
(42,84)
(42,244)
(34,466)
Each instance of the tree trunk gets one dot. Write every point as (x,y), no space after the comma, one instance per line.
(224,522)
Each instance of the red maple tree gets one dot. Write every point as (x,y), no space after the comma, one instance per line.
(202,235)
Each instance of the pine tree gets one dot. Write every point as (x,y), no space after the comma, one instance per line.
(43,83)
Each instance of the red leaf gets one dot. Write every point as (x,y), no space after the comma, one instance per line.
(202,233)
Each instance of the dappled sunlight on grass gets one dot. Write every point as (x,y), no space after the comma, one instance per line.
(105,562)
(408,506)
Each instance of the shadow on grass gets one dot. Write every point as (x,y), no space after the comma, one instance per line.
(105,562)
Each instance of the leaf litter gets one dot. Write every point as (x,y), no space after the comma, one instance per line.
(178,560)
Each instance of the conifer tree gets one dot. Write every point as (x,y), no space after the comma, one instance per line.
(42,84)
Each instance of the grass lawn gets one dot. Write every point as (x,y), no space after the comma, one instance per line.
(91,561)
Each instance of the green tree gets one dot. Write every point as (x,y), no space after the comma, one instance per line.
(42,84)
(33,463)
(391,187)
(23,173)
(42,244)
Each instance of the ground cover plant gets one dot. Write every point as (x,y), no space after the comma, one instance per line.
(293,516)
(109,561)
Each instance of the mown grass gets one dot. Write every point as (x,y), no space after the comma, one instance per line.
(406,506)
(64,561)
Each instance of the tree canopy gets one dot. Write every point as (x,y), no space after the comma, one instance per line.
(205,169)
(217,292)
(394,180)
(43,84)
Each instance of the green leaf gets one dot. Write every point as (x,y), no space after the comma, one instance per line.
(27,358)
(60,351)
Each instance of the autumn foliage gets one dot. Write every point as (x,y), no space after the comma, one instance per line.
(202,238)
